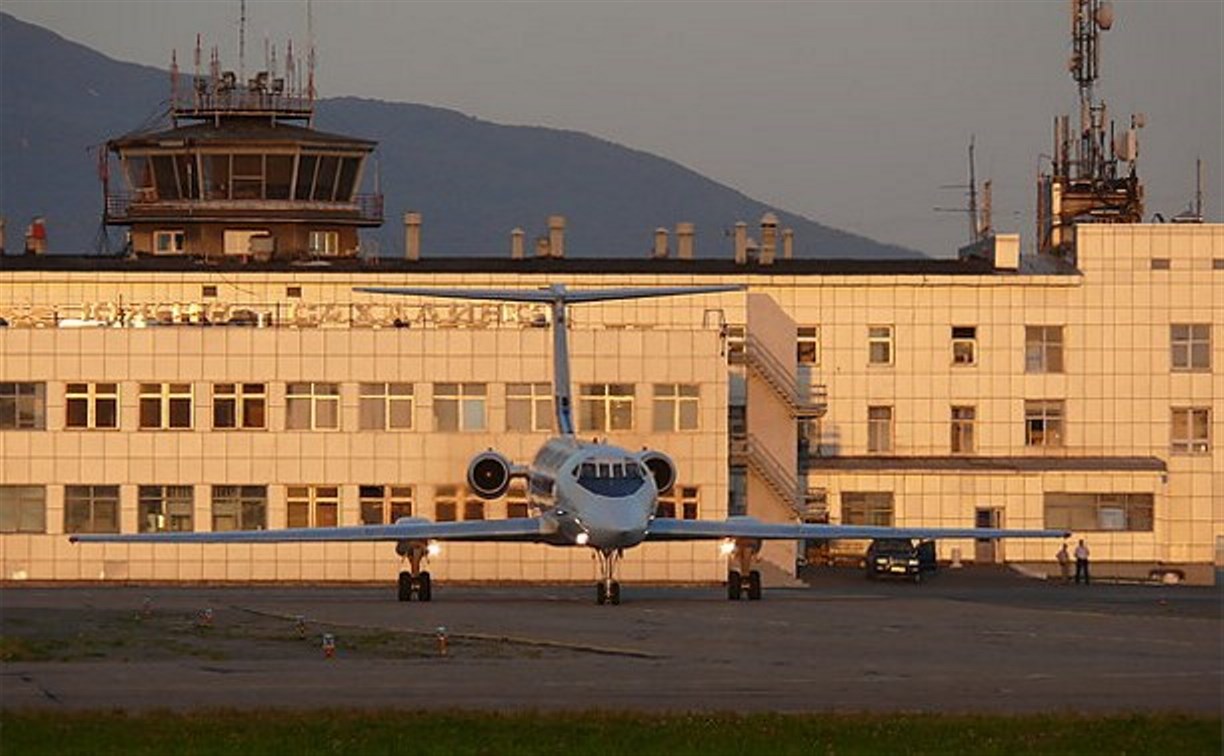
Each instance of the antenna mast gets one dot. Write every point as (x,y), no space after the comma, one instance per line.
(242,41)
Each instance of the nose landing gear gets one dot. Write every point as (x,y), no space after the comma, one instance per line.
(607,590)
(741,578)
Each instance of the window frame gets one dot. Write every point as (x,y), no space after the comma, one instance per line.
(877,425)
(868,508)
(158,501)
(27,399)
(963,429)
(330,239)
(250,504)
(383,397)
(1039,409)
(606,402)
(1189,444)
(1136,508)
(532,400)
(1187,343)
(92,396)
(682,500)
(1041,351)
(92,497)
(242,396)
(314,501)
(966,339)
(807,345)
(28,505)
(460,399)
(165,399)
(315,396)
(885,336)
(393,502)
(669,409)
(177,237)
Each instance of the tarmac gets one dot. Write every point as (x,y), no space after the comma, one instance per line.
(972,640)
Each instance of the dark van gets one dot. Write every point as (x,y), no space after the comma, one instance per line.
(900,557)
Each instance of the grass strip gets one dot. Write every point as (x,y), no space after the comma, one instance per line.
(341,731)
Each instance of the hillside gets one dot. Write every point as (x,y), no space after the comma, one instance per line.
(473,180)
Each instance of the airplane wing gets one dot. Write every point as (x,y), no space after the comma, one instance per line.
(527,529)
(549,295)
(749,527)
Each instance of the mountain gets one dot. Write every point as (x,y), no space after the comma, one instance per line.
(472,180)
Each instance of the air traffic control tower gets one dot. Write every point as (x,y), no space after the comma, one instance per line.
(240,174)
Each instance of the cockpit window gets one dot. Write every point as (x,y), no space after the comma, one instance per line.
(611,477)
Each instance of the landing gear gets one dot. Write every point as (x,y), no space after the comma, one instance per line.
(741,578)
(739,584)
(420,585)
(414,580)
(607,590)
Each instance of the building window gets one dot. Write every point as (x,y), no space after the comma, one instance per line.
(807,350)
(293,292)
(385,406)
(446,503)
(324,242)
(165,406)
(737,420)
(92,405)
(91,509)
(680,502)
(516,501)
(165,508)
(1043,423)
(208,291)
(867,508)
(239,508)
(1097,511)
(604,407)
(473,507)
(240,405)
(459,406)
(312,506)
(23,406)
(23,509)
(169,242)
(676,407)
(964,345)
(312,406)
(1043,349)
(963,419)
(529,407)
(1190,345)
(384,505)
(1191,430)
(737,491)
(879,429)
(880,345)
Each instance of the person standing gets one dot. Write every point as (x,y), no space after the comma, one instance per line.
(1064,563)
(1081,562)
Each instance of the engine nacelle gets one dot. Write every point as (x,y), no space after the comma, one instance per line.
(661,468)
(489,475)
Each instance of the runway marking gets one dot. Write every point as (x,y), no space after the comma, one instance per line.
(539,642)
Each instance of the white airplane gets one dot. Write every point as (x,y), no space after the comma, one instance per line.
(587,495)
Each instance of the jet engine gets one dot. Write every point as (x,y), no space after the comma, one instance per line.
(661,468)
(489,474)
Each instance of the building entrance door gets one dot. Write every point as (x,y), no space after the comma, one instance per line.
(987,550)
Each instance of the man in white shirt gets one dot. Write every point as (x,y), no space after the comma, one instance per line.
(1081,562)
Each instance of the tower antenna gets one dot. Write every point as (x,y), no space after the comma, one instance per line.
(242,40)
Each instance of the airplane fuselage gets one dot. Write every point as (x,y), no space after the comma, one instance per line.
(597,495)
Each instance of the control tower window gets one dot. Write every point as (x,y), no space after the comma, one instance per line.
(165,178)
(348,179)
(307,165)
(248,177)
(325,181)
(278,177)
(216,176)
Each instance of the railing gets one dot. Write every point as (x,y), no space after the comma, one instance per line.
(812,403)
(782,482)
(125,206)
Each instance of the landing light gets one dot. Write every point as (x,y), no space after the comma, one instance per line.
(582,538)
(433,549)
(727,547)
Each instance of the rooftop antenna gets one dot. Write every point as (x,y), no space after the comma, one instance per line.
(1198,187)
(310,54)
(976,224)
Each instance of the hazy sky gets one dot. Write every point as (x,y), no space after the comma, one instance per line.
(853,113)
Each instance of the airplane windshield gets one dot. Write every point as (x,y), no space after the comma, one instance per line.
(610,477)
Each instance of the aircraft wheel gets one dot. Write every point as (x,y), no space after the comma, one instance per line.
(754,586)
(601,596)
(734,583)
(614,594)
(424,587)
(405,586)
(917,577)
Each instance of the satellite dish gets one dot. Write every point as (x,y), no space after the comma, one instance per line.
(1104,16)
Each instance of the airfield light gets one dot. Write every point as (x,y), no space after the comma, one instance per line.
(727,547)
(433,549)
(582,538)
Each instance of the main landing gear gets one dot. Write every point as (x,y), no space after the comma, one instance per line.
(414,581)
(741,578)
(607,590)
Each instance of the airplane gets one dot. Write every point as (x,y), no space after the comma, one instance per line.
(591,495)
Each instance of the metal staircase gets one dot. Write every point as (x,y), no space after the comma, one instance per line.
(802,403)
(807,505)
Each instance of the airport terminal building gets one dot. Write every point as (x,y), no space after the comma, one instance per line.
(223,374)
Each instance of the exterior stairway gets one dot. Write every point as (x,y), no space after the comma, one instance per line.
(802,403)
